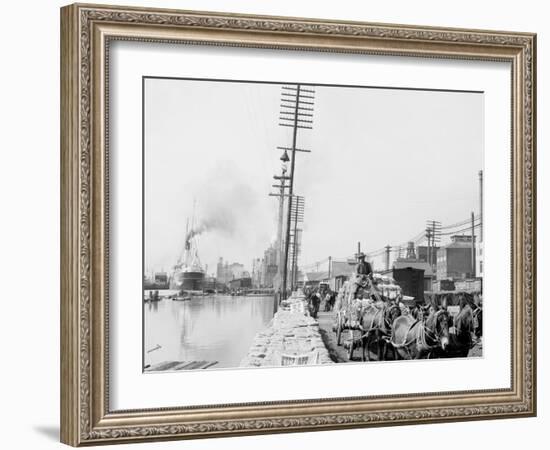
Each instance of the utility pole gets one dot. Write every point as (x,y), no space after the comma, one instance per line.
(297,113)
(281,194)
(473,247)
(481,206)
(433,233)
(388,249)
(429,239)
(297,216)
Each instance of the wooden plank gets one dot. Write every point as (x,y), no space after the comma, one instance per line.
(181,365)
(184,365)
(196,365)
(209,364)
(166,365)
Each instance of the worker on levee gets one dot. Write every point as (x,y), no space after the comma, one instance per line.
(315,302)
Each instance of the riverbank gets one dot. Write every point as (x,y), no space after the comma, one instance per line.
(291,338)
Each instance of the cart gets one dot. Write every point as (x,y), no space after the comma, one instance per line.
(350,307)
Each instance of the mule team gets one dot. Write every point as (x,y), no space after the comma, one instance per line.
(391,330)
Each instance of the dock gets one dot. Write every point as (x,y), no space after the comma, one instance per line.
(292,338)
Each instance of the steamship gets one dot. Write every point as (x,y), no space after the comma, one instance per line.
(188,274)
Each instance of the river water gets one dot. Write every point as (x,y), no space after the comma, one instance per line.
(214,328)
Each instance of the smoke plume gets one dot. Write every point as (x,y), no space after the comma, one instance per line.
(226,203)
(221,220)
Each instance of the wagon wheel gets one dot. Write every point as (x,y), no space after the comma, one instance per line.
(351,345)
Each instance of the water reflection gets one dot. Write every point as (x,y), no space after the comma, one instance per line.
(217,328)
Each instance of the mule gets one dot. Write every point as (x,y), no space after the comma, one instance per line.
(376,324)
(416,339)
(461,336)
(478,321)
(420,312)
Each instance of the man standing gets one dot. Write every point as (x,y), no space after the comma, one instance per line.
(315,302)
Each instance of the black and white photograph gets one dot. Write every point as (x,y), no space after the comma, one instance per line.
(273,225)
(295,224)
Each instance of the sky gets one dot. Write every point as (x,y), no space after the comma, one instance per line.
(382,162)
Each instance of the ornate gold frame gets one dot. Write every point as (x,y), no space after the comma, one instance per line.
(86,31)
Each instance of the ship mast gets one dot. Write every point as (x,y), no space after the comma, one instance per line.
(193,216)
(190,257)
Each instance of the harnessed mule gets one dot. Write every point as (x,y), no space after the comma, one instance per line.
(376,324)
(461,340)
(416,339)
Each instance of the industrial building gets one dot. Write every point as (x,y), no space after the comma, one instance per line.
(456,261)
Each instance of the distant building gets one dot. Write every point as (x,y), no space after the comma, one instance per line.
(161,278)
(422,253)
(240,283)
(222,272)
(211,284)
(341,271)
(256,272)
(313,279)
(236,270)
(454,261)
(428,275)
(268,267)
(226,272)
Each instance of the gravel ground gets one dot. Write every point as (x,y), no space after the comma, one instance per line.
(337,353)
